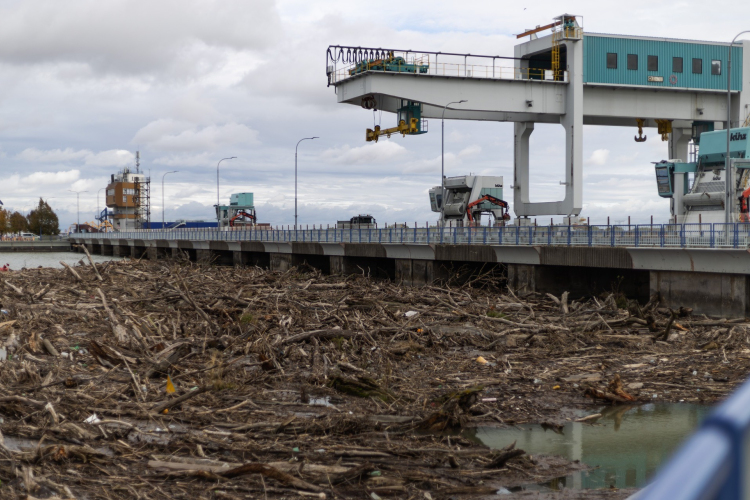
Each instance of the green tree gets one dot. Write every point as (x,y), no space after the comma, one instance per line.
(17,223)
(43,220)
(4,215)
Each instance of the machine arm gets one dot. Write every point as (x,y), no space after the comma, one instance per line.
(495,201)
(239,214)
(744,215)
(403,128)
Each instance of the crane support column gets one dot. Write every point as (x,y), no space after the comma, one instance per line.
(572,121)
(679,141)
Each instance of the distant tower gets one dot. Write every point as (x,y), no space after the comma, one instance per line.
(137,162)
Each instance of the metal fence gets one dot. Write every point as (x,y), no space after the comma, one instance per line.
(713,463)
(344,62)
(646,235)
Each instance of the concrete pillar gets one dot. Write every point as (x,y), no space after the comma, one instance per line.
(679,141)
(203,256)
(240,259)
(522,278)
(281,262)
(724,295)
(176,253)
(337,265)
(743,105)
(152,253)
(404,271)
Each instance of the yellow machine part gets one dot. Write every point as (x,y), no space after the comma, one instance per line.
(664,127)
(402,128)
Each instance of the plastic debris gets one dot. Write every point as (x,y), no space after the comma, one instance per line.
(3,354)
(170,385)
(410,314)
(93,419)
(481,360)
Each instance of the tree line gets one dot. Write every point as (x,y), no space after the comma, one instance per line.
(42,220)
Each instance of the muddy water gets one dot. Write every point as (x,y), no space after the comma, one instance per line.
(18,260)
(627,445)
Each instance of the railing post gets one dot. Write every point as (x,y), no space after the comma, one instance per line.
(569,235)
(736,235)
(485,235)
(531,235)
(590,234)
(612,234)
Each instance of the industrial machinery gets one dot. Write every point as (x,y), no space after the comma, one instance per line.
(239,213)
(391,63)
(358,221)
(467,197)
(491,199)
(408,117)
(128,199)
(706,199)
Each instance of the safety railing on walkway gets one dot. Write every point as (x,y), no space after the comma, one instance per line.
(713,463)
(647,235)
(347,62)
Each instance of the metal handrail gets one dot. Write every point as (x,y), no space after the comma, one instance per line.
(736,235)
(713,463)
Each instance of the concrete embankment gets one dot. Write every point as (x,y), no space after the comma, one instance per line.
(35,246)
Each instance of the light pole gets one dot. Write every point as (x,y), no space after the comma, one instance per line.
(729,183)
(163,224)
(78,208)
(442,160)
(218,212)
(98,213)
(295,177)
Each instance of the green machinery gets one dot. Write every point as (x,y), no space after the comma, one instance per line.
(409,119)
(390,63)
(706,200)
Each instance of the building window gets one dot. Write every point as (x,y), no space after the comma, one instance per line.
(715,67)
(110,192)
(676,65)
(697,66)
(632,61)
(124,199)
(611,60)
(653,63)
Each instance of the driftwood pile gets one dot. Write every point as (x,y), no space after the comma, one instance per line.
(165,379)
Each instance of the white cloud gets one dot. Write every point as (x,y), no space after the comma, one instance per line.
(599,157)
(169,135)
(111,158)
(371,153)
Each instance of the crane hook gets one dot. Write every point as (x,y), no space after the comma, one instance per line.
(640,137)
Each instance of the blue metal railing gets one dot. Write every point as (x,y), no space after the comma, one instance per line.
(735,235)
(713,463)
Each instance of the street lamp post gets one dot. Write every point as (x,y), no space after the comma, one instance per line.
(218,212)
(728,181)
(163,224)
(78,208)
(98,213)
(442,160)
(295,177)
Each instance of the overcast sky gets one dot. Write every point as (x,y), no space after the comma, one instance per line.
(86,83)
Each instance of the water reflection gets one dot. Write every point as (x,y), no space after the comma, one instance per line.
(627,444)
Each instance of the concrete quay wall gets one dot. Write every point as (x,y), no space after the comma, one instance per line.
(711,281)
